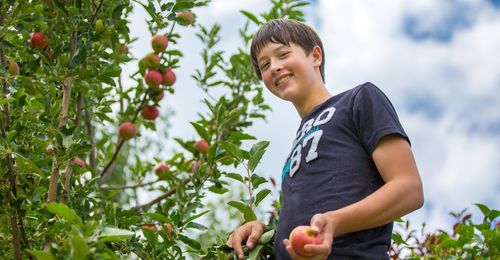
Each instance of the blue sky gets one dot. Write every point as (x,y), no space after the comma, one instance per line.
(435,60)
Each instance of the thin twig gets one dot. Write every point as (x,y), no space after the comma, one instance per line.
(130,186)
(161,197)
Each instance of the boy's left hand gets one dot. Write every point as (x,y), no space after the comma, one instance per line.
(322,224)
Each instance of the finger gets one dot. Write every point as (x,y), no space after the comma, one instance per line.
(289,249)
(236,245)
(255,234)
(318,222)
(321,249)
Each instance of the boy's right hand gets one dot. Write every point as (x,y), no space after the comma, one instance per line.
(249,232)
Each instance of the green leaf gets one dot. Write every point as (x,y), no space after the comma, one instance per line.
(65,212)
(255,159)
(190,242)
(190,219)
(182,5)
(201,131)
(248,213)
(235,176)
(255,252)
(261,195)
(232,149)
(157,217)
(111,234)
(113,71)
(40,255)
(238,136)
(21,160)
(79,247)
(6,100)
(266,237)
(483,208)
(217,189)
(252,17)
(398,239)
(262,145)
(257,181)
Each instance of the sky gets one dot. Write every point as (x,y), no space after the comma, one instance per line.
(437,61)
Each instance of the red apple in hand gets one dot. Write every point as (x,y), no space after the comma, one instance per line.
(159,43)
(150,112)
(201,146)
(127,130)
(304,235)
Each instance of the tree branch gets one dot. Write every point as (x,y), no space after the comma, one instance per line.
(161,197)
(131,186)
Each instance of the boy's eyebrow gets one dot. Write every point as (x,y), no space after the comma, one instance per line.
(275,50)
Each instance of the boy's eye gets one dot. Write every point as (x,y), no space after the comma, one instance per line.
(264,66)
(283,54)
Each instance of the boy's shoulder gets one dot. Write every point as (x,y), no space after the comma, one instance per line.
(364,88)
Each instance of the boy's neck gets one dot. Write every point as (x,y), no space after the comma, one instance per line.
(316,96)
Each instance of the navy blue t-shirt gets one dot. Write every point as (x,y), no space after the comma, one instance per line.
(330,166)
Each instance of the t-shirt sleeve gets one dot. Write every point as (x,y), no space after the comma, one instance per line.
(374,116)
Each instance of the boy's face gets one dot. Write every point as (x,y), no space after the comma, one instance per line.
(287,71)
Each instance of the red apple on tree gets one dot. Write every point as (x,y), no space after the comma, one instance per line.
(159,43)
(150,112)
(151,61)
(38,41)
(168,231)
(79,162)
(123,48)
(169,77)
(194,166)
(304,235)
(161,168)
(185,18)
(13,68)
(201,146)
(153,78)
(50,150)
(127,130)
(149,226)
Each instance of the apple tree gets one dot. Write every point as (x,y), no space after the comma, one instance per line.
(74,139)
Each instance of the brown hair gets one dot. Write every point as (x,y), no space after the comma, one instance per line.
(286,31)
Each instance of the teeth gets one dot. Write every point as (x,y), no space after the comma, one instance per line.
(282,80)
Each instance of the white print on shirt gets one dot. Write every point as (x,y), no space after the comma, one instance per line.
(310,131)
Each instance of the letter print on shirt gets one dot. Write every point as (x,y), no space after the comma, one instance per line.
(310,131)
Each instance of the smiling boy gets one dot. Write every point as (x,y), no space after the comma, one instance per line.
(350,171)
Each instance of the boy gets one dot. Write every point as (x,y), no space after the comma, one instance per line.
(351,171)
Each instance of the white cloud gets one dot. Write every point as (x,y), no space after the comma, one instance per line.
(364,41)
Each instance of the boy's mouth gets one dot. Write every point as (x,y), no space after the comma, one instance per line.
(281,80)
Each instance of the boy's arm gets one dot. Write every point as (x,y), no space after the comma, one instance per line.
(401,194)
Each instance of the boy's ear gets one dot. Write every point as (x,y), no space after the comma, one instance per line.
(317,55)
